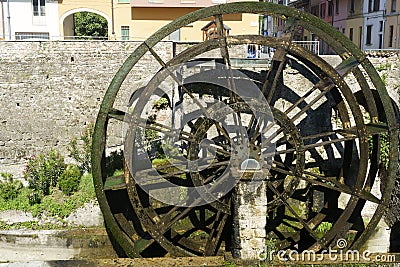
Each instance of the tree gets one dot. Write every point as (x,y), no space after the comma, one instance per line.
(90,24)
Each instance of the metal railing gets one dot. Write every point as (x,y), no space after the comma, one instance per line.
(268,52)
(313,46)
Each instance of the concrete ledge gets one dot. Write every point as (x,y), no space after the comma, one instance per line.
(47,245)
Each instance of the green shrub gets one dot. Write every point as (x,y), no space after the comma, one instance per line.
(161,103)
(115,161)
(9,189)
(383,67)
(384,78)
(81,149)
(69,179)
(56,204)
(35,197)
(42,173)
(384,149)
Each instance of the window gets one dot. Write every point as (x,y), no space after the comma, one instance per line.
(124,1)
(360,36)
(380,41)
(124,32)
(39,7)
(337,7)
(351,34)
(322,11)
(352,6)
(370,5)
(380,26)
(376,5)
(330,8)
(32,35)
(369,35)
(373,5)
(390,36)
(393,6)
(314,11)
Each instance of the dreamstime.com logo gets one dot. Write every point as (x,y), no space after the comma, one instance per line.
(339,254)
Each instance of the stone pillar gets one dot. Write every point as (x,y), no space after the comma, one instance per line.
(250,219)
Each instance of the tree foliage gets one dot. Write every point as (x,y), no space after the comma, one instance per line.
(90,24)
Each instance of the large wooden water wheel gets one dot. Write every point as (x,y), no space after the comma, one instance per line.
(193,128)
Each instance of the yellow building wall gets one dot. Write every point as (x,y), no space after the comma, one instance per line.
(395,22)
(239,24)
(355,23)
(122,13)
(143,22)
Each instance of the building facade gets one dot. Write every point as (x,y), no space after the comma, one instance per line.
(392,25)
(354,22)
(29,19)
(373,24)
(370,24)
(116,12)
(150,15)
(138,19)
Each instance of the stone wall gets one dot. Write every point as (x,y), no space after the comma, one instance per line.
(49,91)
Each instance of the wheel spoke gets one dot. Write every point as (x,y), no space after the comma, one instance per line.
(334,183)
(179,82)
(275,72)
(325,87)
(279,60)
(216,231)
(292,211)
(346,66)
(144,123)
(222,39)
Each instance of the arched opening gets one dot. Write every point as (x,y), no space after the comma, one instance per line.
(85,24)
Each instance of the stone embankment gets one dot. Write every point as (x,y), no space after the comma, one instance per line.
(45,245)
(88,239)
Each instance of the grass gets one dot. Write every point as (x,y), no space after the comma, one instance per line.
(383,67)
(56,204)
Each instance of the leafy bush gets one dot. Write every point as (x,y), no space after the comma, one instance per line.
(384,149)
(56,204)
(69,179)
(81,149)
(42,173)
(115,161)
(35,197)
(161,103)
(383,67)
(384,78)
(9,189)
(90,25)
